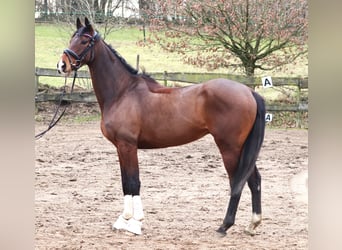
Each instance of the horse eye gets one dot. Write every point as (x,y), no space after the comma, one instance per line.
(84,42)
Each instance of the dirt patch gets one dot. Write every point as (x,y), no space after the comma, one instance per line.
(184,191)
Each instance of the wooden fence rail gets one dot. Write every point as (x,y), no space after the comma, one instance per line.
(89,96)
(192,77)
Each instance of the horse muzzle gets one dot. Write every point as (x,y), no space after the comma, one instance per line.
(63,67)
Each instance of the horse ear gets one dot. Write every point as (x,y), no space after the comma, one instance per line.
(78,23)
(88,25)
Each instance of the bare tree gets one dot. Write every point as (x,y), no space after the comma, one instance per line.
(250,34)
(103,13)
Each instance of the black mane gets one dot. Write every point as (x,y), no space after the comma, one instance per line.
(122,60)
(117,54)
(127,65)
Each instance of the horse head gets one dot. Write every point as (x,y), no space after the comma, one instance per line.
(81,43)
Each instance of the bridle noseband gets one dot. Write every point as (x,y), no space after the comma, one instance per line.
(78,58)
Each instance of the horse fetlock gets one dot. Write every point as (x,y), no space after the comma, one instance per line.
(256,221)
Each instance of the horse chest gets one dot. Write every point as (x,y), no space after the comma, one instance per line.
(119,123)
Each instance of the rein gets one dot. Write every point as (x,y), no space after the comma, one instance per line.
(75,66)
(55,120)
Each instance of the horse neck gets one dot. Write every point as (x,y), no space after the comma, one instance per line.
(109,76)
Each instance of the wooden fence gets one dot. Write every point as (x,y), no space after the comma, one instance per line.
(165,77)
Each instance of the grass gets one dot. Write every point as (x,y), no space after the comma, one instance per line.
(52,39)
(86,118)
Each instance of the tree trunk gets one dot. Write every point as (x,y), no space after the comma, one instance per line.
(249,67)
(45,9)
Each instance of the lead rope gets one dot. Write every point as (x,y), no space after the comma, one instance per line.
(54,121)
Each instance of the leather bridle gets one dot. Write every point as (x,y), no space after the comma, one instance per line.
(78,58)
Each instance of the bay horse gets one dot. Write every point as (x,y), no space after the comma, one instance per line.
(139,113)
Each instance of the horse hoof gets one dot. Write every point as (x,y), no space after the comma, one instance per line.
(250,231)
(131,225)
(134,226)
(120,223)
(221,231)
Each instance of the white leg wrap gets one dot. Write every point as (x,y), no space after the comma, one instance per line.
(130,220)
(120,223)
(128,207)
(134,226)
(138,213)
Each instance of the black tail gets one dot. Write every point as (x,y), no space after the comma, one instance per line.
(251,148)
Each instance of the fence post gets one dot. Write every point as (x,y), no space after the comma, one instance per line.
(299,112)
(36,78)
(138,61)
(164,76)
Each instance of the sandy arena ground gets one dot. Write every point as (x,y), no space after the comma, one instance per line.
(184,191)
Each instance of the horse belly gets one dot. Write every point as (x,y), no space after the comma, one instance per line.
(169,136)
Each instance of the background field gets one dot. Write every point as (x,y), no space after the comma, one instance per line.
(52,39)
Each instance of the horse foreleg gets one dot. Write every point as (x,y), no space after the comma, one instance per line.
(132,214)
(254,184)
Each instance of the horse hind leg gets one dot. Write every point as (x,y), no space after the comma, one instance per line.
(254,184)
(229,219)
(230,160)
